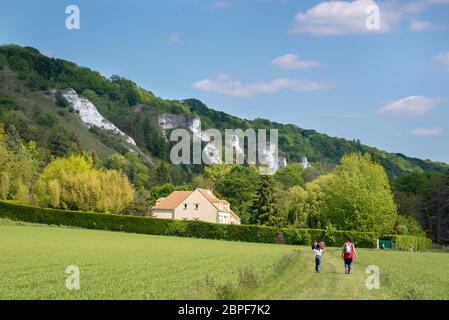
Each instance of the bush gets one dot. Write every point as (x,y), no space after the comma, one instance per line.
(197,229)
(60,100)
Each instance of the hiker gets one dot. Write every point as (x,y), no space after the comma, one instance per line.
(318,253)
(410,248)
(321,245)
(314,244)
(382,247)
(348,254)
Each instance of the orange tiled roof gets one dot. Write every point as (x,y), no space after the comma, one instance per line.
(221,205)
(173,200)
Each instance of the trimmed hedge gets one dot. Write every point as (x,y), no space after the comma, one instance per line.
(403,242)
(195,229)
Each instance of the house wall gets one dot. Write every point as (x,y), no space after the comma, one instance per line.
(162,213)
(235,220)
(206,210)
(227,218)
(224,217)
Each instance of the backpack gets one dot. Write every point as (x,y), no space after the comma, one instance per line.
(348,248)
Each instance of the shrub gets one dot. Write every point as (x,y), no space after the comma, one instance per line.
(60,100)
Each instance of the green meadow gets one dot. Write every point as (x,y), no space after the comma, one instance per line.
(116,265)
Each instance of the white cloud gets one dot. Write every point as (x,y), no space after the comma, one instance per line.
(443,59)
(333,18)
(410,106)
(227,85)
(428,132)
(174,37)
(340,17)
(220,4)
(292,61)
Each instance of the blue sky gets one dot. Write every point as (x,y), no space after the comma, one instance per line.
(311,63)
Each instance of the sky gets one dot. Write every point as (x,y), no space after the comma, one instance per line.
(377,71)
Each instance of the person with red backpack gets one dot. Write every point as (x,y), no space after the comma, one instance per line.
(348,254)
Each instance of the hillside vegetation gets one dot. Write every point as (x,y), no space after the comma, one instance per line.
(28,75)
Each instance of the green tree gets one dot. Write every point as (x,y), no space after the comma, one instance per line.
(161,191)
(130,164)
(17,166)
(238,187)
(295,204)
(140,206)
(409,226)
(291,175)
(164,191)
(215,172)
(162,175)
(264,206)
(358,196)
(153,140)
(316,201)
(424,196)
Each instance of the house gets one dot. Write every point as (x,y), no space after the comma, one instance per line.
(200,204)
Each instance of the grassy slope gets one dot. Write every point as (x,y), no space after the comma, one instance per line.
(119,265)
(32,99)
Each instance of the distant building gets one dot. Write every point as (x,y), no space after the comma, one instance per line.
(200,204)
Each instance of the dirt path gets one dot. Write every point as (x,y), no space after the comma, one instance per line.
(300,282)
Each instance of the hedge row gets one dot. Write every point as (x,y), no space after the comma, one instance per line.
(196,229)
(404,242)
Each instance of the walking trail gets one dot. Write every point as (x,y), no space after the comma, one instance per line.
(299,281)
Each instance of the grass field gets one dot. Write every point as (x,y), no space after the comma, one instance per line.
(118,265)
(129,266)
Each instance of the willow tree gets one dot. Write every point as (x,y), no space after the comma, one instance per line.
(73,183)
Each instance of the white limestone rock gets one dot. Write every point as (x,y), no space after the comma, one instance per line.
(90,116)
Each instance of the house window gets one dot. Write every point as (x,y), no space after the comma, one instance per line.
(197,205)
(185,206)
